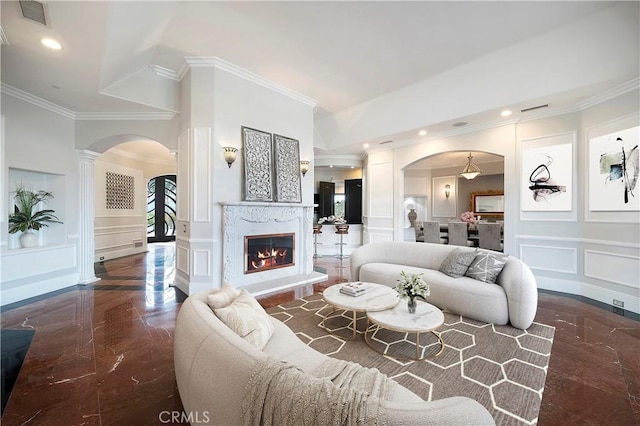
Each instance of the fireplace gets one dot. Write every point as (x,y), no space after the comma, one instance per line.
(270,251)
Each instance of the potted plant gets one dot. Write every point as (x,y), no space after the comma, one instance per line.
(412,286)
(26,218)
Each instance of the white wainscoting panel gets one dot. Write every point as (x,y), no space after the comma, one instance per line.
(201,263)
(201,175)
(182,259)
(377,237)
(550,258)
(612,267)
(184,158)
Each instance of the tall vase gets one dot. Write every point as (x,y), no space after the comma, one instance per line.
(28,239)
(411,304)
(412,215)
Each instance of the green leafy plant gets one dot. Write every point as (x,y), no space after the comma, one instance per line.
(412,286)
(26,216)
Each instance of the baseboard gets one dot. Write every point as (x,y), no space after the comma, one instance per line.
(591,291)
(37,288)
(114,254)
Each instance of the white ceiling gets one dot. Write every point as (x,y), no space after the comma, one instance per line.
(339,53)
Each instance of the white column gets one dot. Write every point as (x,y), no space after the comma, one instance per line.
(86,249)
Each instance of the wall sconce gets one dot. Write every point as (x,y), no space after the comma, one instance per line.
(447,190)
(304,167)
(230,155)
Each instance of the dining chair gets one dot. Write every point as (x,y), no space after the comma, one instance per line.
(419,232)
(489,236)
(459,234)
(431,231)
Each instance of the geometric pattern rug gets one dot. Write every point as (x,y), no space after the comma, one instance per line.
(501,367)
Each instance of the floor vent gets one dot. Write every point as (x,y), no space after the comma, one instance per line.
(33,10)
(137,244)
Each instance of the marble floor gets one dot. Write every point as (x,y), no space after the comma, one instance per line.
(102,354)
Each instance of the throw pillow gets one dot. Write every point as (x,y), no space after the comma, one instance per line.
(487,266)
(223,297)
(456,263)
(247,319)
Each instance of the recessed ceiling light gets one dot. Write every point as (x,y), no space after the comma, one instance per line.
(422,132)
(506,113)
(51,43)
(353,167)
(331,167)
(366,145)
(460,124)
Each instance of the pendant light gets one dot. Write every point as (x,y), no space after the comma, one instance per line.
(471,170)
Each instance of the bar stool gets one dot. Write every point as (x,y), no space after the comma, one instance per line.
(316,230)
(342,230)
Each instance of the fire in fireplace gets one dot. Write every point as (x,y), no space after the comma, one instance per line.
(265,252)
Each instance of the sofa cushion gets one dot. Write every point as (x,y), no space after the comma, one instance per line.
(457,262)
(247,319)
(223,297)
(486,266)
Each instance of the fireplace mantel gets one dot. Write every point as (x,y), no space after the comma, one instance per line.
(242,219)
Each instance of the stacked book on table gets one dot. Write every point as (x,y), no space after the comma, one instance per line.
(355,289)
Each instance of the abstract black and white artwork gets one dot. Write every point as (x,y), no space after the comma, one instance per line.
(547,174)
(613,171)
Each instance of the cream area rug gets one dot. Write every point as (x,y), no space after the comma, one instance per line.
(501,367)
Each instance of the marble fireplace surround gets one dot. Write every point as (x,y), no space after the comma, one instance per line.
(249,218)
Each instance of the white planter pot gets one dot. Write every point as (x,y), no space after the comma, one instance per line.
(28,239)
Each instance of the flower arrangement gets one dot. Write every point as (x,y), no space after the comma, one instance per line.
(332,219)
(468,217)
(412,286)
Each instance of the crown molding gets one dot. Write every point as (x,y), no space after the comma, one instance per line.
(35,100)
(151,115)
(165,72)
(132,156)
(4,41)
(215,62)
(609,94)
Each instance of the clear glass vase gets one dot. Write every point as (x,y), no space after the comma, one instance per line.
(411,304)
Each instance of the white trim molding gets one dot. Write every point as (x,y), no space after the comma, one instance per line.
(37,101)
(215,62)
(608,266)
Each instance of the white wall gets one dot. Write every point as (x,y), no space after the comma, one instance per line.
(39,148)
(119,232)
(595,254)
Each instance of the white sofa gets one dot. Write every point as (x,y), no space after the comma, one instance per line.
(213,366)
(513,298)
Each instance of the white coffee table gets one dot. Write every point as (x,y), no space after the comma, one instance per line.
(427,318)
(380,298)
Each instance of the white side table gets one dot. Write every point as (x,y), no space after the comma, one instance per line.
(427,318)
(380,298)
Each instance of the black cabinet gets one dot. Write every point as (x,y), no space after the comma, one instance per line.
(353,200)
(326,199)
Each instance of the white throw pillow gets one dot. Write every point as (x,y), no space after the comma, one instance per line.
(223,297)
(247,319)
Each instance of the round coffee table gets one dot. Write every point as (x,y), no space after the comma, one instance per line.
(380,298)
(426,319)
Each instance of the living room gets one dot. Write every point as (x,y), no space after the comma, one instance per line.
(193,94)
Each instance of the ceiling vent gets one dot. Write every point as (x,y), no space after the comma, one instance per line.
(535,107)
(33,10)
(384,142)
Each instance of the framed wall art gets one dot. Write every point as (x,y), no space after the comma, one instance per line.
(257,156)
(613,167)
(547,173)
(287,169)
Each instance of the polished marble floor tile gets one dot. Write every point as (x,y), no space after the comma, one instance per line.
(102,354)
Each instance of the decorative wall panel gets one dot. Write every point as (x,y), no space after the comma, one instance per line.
(120,191)
(257,156)
(287,169)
